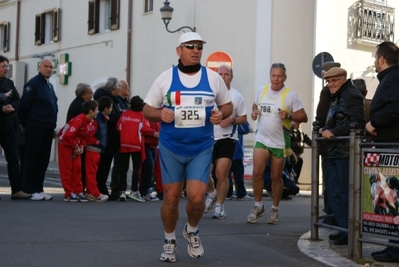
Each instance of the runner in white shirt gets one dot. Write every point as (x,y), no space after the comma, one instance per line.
(275,107)
(225,135)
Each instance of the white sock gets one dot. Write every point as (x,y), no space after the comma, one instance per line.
(259,204)
(191,229)
(213,194)
(170,236)
(275,207)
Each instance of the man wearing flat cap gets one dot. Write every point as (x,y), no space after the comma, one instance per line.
(321,115)
(183,98)
(347,106)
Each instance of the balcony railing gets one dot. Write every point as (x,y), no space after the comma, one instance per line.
(375,23)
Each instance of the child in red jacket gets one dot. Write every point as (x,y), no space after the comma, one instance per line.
(132,128)
(71,142)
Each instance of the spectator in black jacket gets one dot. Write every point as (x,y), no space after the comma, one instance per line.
(83,93)
(384,115)
(110,89)
(117,185)
(38,116)
(9,102)
(321,115)
(347,106)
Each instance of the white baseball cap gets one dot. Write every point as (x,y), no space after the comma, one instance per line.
(189,36)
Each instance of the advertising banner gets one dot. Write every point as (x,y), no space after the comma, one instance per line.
(380,214)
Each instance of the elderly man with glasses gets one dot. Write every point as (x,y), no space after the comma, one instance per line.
(347,106)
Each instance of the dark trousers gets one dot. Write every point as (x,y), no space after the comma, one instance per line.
(298,168)
(103,171)
(237,168)
(324,168)
(120,169)
(338,189)
(147,171)
(8,142)
(37,156)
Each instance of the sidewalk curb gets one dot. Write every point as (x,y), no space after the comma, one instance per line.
(320,250)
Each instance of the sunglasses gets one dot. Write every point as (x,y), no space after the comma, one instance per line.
(192,46)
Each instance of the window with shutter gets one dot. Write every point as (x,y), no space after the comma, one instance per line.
(115,14)
(103,16)
(38,29)
(47,26)
(148,6)
(6,36)
(56,25)
(93,23)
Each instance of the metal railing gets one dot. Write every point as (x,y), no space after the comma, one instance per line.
(354,230)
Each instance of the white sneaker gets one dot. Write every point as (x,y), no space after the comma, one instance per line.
(273,217)
(209,203)
(37,196)
(219,213)
(46,196)
(169,251)
(194,247)
(255,214)
(246,197)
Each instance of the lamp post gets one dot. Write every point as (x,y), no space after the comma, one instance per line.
(166,13)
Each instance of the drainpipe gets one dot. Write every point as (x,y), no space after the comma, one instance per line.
(129,42)
(16,57)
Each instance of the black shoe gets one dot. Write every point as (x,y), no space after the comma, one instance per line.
(334,237)
(385,250)
(390,256)
(113,197)
(343,240)
(160,196)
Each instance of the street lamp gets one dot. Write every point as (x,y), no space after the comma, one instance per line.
(166,13)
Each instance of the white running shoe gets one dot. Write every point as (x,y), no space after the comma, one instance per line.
(194,247)
(169,251)
(273,217)
(209,203)
(37,196)
(255,214)
(46,196)
(246,197)
(219,213)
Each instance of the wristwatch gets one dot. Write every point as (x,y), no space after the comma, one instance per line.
(234,121)
(289,117)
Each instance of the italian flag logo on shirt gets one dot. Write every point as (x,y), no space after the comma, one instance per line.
(173,98)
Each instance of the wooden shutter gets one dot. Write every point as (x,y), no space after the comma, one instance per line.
(115,14)
(39,28)
(56,25)
(94,17)
(6,36)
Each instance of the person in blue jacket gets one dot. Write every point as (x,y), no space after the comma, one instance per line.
(38,116)
(237,166)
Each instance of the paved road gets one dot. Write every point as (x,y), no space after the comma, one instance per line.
(57,233)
